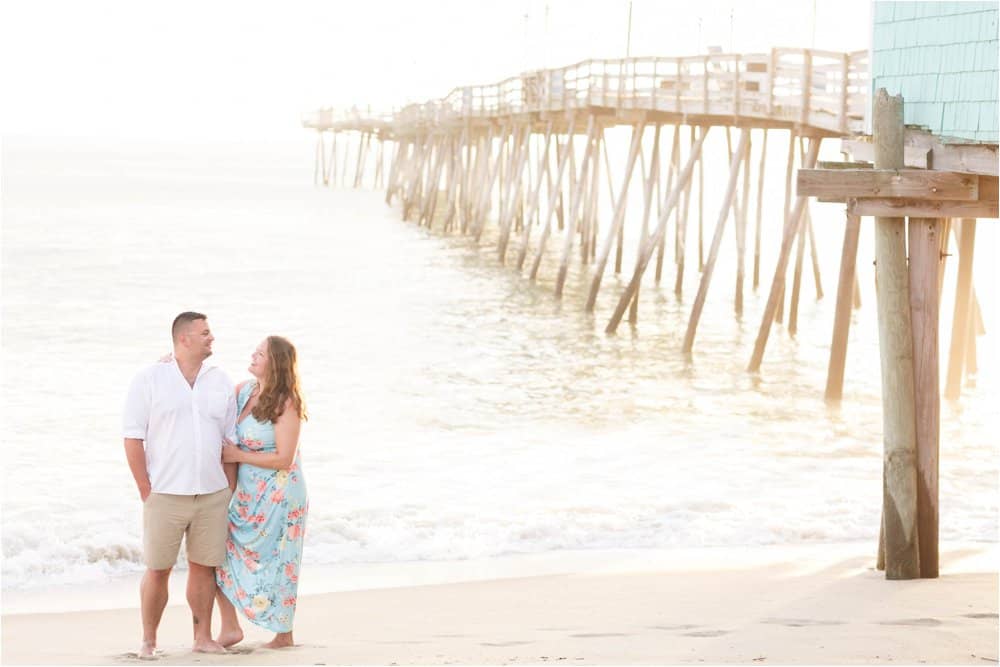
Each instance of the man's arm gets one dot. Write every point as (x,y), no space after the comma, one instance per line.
(136,455)
(135,422)
(231,470)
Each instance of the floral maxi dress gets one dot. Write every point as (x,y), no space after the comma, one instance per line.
(267,519)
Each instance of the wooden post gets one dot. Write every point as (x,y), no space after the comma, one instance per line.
(619,216)
(701,211)
(317,158)
(842,311)
(587,186)
(322,152)
(713,252)
(760,203)
(779,313)
(455,177)
(681,249)
(793,309)
(484,151)
(661,229)
(434,182)
(343,169)
(817,279)
(902,557)
(924,241)
(554,195)
(333,161)
(652,177)
(379,159)
(533,198)
(419,158)
(675,158)
(575,203)
(741,230)
(594,201)
(778,283)
(971,360)
(487,192)
(398,156)
(514,184)
(963,298)
(363,143)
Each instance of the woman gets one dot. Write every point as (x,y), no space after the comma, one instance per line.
(267,515)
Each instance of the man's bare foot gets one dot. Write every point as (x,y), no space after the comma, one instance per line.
(147,649)
(208,646)
(280,641)
(229,637)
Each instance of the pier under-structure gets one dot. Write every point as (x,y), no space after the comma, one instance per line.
(918,190)
(525,155)
(458,158)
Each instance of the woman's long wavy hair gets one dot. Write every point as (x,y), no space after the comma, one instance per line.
(281,383)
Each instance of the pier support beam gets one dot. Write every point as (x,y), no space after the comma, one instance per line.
(778,283)
(899,507)
(963,302)
(619,218)
(842,310)
(652,243)
(575,201)
(924,247)
(713,251)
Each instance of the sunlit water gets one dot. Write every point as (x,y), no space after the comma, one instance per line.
(458,410)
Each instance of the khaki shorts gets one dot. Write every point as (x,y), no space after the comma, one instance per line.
(166,518)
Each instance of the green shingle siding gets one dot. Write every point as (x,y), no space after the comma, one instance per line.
(943,58)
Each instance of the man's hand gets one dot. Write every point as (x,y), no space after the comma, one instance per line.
(144,491)
(231,454)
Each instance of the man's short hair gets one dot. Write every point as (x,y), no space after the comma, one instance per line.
(182,320)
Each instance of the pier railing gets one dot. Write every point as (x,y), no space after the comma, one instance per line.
(824,90)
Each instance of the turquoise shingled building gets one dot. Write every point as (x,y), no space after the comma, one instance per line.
(942,58)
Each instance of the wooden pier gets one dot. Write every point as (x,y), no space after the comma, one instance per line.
(526,154)
(458,159)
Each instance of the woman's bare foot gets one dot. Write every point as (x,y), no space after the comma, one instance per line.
(208,646)
(229,637)
(281,640)
(147,649)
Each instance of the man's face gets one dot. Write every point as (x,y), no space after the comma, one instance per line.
(198,339)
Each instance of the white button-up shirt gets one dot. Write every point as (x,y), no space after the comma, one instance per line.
(182,426)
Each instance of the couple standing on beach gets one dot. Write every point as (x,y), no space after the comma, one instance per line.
(219,464)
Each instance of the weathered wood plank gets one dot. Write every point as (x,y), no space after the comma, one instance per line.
(915,208)
(912,183)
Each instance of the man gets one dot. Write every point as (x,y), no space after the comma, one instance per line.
(176,416)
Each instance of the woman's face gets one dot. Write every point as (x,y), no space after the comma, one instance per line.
(259,360)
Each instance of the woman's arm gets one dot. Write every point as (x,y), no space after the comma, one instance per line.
(286,440)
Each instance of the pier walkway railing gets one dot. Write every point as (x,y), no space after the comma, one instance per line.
(821,92)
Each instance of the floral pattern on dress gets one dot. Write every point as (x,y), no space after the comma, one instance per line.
(267,521)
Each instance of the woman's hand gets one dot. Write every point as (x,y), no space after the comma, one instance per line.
(167,358)
(231,453)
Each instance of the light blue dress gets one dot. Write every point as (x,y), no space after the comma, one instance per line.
(267,520)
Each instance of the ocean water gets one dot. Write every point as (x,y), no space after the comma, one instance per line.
(458,411)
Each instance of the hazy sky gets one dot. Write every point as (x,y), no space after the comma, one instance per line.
(244,70)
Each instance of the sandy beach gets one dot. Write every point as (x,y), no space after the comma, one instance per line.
(812,605)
